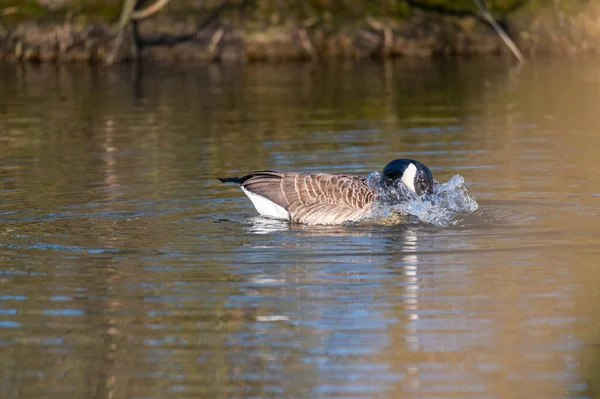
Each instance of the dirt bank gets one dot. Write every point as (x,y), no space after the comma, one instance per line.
(172,38)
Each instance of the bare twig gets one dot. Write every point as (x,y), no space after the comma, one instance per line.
(388,42)
(138,15)
(373,38)
(307,45)
(388,37)
(375,24)
(126,12)
(214,43)
(507,40)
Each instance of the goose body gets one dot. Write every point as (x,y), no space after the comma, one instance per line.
(323,198)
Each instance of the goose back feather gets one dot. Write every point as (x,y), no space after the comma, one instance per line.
(320,198)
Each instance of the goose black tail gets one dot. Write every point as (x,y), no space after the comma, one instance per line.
(269,174)
(236,180)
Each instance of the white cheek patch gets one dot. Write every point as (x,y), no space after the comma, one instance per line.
(266,207)
(408,178)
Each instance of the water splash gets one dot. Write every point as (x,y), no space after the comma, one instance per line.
(445,207)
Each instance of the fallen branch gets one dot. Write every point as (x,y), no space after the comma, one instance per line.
(440,9)
(171,40)
(507,40)
(130,15)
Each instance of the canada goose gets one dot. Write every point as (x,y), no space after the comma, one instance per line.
(324,198)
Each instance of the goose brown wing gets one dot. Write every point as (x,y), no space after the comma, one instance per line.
(324,188)
(327,199)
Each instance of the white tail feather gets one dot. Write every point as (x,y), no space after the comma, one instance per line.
(266,207)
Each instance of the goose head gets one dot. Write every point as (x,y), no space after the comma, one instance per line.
(413,174)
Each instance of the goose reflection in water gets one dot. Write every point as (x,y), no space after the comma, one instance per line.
(346,268)
(263,225)
(408,242)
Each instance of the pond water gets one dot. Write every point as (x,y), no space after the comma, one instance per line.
(128,271)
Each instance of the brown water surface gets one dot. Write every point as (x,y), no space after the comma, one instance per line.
(128,271)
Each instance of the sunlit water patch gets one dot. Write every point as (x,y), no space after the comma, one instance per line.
(447,206)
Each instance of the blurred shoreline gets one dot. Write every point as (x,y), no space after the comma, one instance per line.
(60,35)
